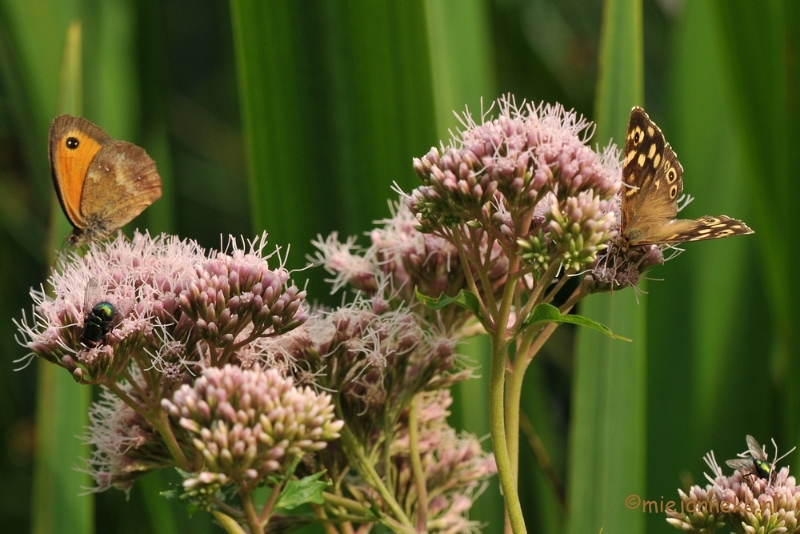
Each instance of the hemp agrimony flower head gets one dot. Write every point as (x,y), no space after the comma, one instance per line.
(246,424)
(746,503)
(527,179)
(173,313)
(377,361)
(126,446)
(174,308)
(617,266)
(379,358)
(455,467)
(401,261)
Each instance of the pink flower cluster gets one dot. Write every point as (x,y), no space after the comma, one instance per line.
(500,174)
(745,502)
(248,423)
(174,307)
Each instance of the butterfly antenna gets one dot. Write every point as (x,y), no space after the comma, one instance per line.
(684,200)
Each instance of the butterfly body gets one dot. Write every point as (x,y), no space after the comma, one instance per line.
(102,184)
(653,179)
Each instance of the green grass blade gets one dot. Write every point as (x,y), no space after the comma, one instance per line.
(464,78)
(761,48)
(336,99)
(608,437)
(62,405)
(470,414)
(541,471)
(692,374)
(463,72)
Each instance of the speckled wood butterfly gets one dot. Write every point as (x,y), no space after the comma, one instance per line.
(653,179)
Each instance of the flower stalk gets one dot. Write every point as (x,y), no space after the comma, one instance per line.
(527,206)
(416,464)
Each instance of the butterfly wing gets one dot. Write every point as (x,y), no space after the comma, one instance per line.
(121,182)
(73,145)
(102,184)
(708,227)
(653,177)
(653,180)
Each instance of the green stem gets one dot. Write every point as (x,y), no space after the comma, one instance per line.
(360,516)
(388,432)
(250,512)
(164,428)
(500,344)
(227,508)
(348,504)
(512,400)
(135,406)
(499,442)
(135,385)
(364,465)
(227,523)
(416,466)
(471,285)
(529,347)
(269,506)
(535,297)
(160,422)
(327,525)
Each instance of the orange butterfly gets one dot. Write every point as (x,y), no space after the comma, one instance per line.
(102,184)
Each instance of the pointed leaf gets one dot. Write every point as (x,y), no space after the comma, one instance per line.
(547,313)
(465,299)
(305,490)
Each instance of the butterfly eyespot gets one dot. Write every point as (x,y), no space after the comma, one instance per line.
(673,191)
(671,175)
(72,143)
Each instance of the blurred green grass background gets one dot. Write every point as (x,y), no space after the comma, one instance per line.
(297,118)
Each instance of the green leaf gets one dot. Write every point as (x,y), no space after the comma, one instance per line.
(305,490)
(348,86)
(465,299)
(171,495)
(608,434)
(547,313)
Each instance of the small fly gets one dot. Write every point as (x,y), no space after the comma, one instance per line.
(755,461)
(100,319)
